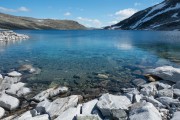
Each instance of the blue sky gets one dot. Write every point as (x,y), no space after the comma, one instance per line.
(91,13)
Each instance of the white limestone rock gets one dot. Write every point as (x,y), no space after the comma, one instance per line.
(8,81)
(144,111)
(88,107)
(2,112)
(176,92)
(149,90)
(155,102)
(87,117)
(165,93)
(162,85)
(69,114)
(14,74)
(8,102)
(1,77)
(137,98)
(166,73)
(58,106)
(107,102)
(15,87)
(50,93)
(168,101)
(27,116)
(176,116)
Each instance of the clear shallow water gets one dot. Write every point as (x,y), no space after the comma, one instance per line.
(64,55)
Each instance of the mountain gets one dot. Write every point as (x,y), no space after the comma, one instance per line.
(16,22)
(163,16)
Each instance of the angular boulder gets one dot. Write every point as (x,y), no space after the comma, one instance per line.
(149,90)
(8,102)
(50,93)
(168,101)
(118,115)
(88,107)
(144,111)
(108,102)
(165,93)
(58,106)
(166,73)
(70,113)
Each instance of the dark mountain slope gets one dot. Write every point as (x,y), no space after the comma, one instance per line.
(15,22)
(164,16)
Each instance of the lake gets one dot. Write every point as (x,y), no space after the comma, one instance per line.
(75,58)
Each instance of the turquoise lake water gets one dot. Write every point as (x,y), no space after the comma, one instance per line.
(74,58)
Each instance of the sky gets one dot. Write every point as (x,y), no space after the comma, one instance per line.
(91,13)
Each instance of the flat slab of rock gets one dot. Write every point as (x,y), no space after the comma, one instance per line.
(58,106)
(144,111)
(2,112)
(166,73)
(70,113)
(88,107)
(87,117)
(8,102)
(14,74)
(108,102)
(176,116)
(50,93)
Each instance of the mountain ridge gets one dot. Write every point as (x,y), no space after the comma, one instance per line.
(163,16)
(18,22)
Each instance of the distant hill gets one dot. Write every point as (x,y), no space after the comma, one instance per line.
(163,16)
(16,22)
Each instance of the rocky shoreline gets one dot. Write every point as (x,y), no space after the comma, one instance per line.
(8,35)
(156,100)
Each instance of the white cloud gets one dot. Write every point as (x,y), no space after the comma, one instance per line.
(125,13)
(90,22)
(67,14)
(23,9)
(20,9)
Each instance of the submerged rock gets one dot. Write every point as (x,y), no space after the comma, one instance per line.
(8,102)
(14,74)
(59,105)
(139,82)
(108,102)
(166,73)
(144,111)
(50,93)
